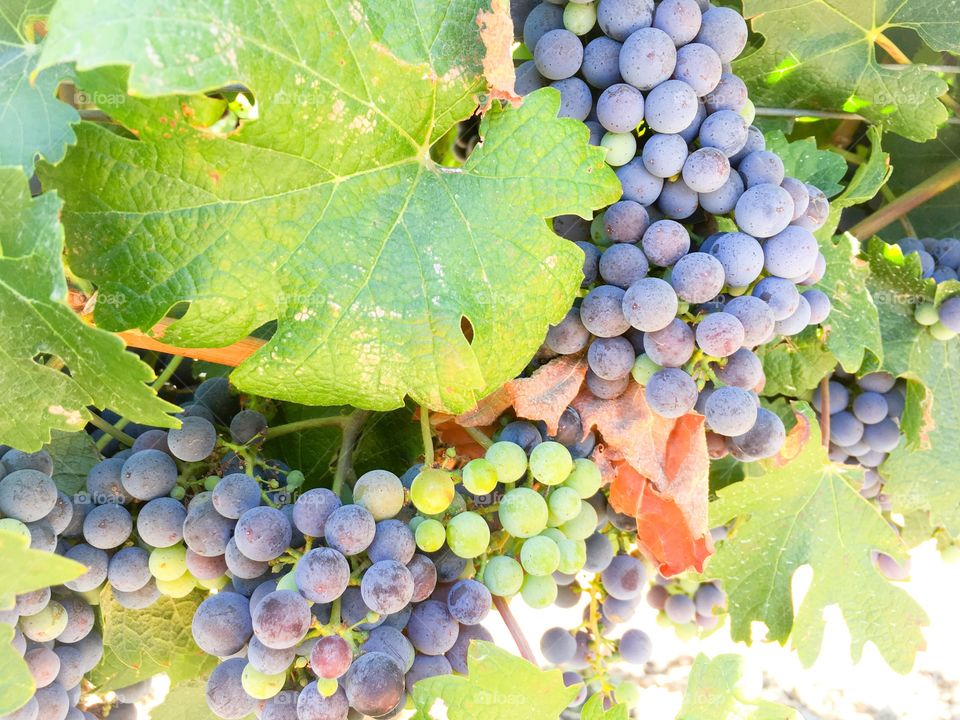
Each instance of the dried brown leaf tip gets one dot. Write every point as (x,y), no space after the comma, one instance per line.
(549,391)
(496,32)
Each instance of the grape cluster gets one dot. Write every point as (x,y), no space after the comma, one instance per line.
(669,301)
(865,415)
(939,261)
(690,606)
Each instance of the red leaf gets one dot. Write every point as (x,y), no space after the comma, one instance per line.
(496,32)
(664,534)
(547,393)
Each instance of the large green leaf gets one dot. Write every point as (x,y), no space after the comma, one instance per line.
(593,710)
(326,213)
(796,365)
(17,685)
(32,120)
(35,322)
(820,54)
(809,512)
(498,686)
(716,690)
(74,455)
(23,570)
(854,324)
(803,160)
(142,643)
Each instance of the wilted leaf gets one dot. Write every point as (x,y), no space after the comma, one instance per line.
(549,390)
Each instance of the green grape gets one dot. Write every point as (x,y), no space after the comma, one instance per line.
(503,576)
(627,693)
(480,476)
(261,686)
(91,597)
(468,535)
(295,479)
(179,587)
(168,563)
(583,525)
(178,493)
(941,331)
(415,522)
(45,625)
(585,478)
(540,556)
(564,504)
(327,686)
(926,314)
(509,459)
(539,591)
(430,535)
(748,112)
(288,582)
(458,505)
(579,18)
(621,148)
(216,584)
(554,534)
(210,482)
(380,493)
(432,491)
(573,556)
(523,512)
(643,369)
(550,463)
(15,527)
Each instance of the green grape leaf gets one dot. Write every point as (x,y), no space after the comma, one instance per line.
(717,688)
(371,257)
(836,68)
(23,570)
(142,643)
(854,323)
(32,120)
(34,322)
(796,365)
(921,472)
(74,454)
(808,511)
(593,710)
(803,160)
(391,441)
(725,471)
(18,686)
(498,686)
(186,700)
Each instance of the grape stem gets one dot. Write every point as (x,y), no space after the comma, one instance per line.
(110,430)
(478,437)
(276,431)
(940,181)
(351,434)
(825,411)
(427,435)
(514,627)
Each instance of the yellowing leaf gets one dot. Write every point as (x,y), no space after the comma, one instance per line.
(716,690)
(23,570)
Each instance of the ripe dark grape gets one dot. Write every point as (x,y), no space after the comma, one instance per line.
(222,624)
(374,684)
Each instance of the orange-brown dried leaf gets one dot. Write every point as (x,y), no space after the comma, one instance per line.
(797,437)
(487,410)
(451,434)
(550,390)
(496,32)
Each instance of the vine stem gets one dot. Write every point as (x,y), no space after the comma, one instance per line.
(116,434)
(478,437)
(825,411)
(276,431)
(931,187)
(427,435)
(351,433)
(514,627)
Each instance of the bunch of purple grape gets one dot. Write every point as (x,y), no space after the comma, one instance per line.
(670,302)
(939,261)
(865,415)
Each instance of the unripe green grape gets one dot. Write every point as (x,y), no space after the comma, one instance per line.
(941,331)
(643,369)
(15,527)
(539,591)
(380,493)
(210,482)
(45,625)
(585,478)
(523,512)
(178,493)
(554,534)
(573,556)
(217,583)
(327,686)
(415,521)
(564,504)
(295,479)
(261,686)
(177,588)
(621,148)
(503,576)
(480,476)
(598,231)
(168,563)
(457,505)
(926,314)
(288,582)
(540,556)
(582,526)
(430,535)
(550,463)
(432,491)
(737,291)
(748,112)
(579,18)
(92,597)
(509,459)
(468,535)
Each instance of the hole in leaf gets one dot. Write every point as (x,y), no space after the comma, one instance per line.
(466,327)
